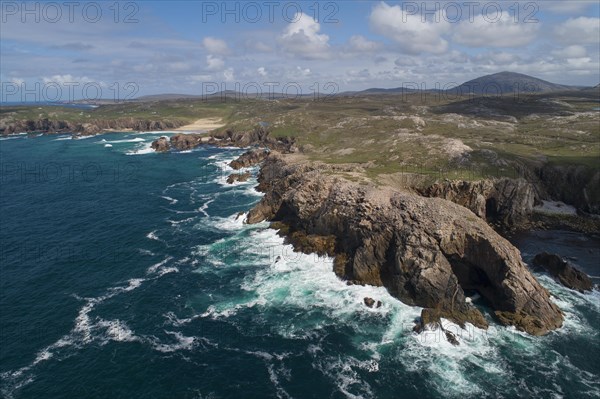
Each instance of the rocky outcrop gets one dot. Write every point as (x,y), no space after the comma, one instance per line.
(249,158)
(563,272)
(91,127)
(183,142)
(425,251)
(505,201)
(238,177)
(256,137)
(370,302)
(161,144)
(430,320)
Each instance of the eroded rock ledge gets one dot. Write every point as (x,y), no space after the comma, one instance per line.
(425,251)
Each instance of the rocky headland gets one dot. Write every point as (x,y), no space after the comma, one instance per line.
(425,251)
(430,246)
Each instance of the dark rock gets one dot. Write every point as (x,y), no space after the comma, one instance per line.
(429,320)
(563,272)
(241,177)
(184,142)
(370,302)
(451,338)
(249,158)
(379,304)
(161,144)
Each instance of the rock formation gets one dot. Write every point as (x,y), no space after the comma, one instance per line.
(563,272)
(504,201)
(249,158)
(256,137)
(161,144)
(425,251)
(240,177)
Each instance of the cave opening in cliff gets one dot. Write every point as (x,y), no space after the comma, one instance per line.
(471,278)
(491,209)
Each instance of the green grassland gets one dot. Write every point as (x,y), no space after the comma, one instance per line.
(385,135)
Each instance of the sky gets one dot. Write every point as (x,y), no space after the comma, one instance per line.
(70,50)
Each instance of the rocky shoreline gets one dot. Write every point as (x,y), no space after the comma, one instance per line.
(94,126)
(429,246)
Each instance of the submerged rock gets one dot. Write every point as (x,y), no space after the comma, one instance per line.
(370,302)
(425,251)
(564,272)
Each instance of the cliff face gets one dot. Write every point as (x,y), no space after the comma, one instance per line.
(573,184)
(425,251)
(507,202)
(93,126)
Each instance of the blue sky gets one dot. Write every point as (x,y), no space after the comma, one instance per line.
(191,46)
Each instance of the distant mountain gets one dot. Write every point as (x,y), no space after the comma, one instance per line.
(508,82)
(498,83)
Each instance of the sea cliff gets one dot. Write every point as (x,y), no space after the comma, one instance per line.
(425,251)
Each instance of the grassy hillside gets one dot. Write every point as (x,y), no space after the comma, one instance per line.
(383,136)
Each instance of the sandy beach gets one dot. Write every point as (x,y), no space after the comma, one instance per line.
(203,124)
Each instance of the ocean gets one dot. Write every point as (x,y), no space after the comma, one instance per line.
(130,274)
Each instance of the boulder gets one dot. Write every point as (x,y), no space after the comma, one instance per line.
(563,271)
(370,302)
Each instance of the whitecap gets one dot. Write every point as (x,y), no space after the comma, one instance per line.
(142,150)
(152,236)
(135,140)
(172,201)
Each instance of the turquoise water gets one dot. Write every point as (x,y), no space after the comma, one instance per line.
(128,274)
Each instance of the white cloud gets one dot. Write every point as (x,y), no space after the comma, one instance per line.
(579,30)
(489,31)
(362,44)
(214,63)
(262,71)
(301,37)
(303,71)
(411,33)
(573,51)
(228,74)
(67,79)
(17,81)
(215,46)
